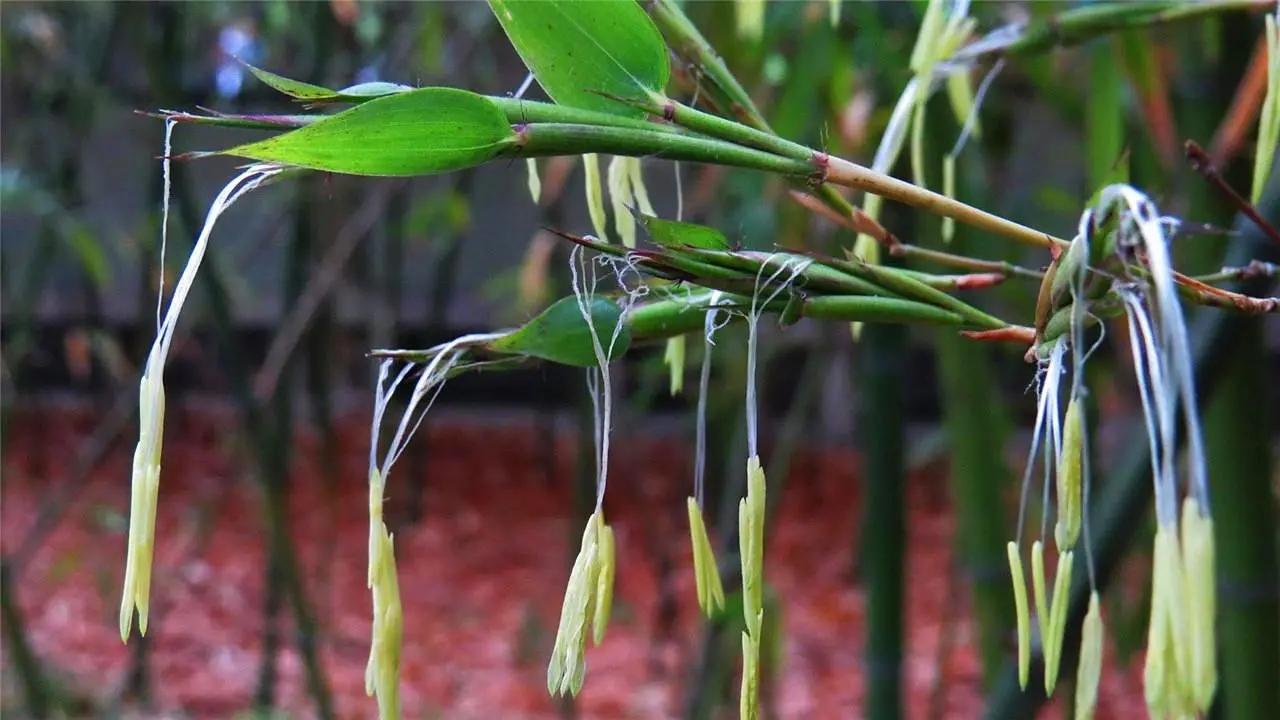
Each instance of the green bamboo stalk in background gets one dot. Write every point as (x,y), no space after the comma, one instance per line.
(1238,429)
(882,430)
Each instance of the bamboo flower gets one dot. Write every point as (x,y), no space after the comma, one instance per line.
(382,673)
(595,195)
(1057,620)
(567,668)
(673,357)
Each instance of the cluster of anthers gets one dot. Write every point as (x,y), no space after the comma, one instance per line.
(1121,250)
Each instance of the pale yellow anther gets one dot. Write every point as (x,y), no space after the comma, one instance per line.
(382,673)
(1089,669)
(1070,474)
(638,188)
(749,17)
(1198,593)
(595,195)
(620,198)
(1022,613)
(144,496)
(604,584)
(674,356)
(535,182)
(705,570)
(751,546)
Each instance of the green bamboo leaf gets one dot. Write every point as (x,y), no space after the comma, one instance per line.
(299,90)
(578,50)
(420,132)
(675,234)
(295,89)
(561,335)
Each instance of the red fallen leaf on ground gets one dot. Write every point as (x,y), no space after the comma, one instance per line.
(481,576)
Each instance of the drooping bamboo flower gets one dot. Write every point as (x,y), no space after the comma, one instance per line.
(567,668)
(1089,669)
(1180,674)
(382,673)
(145,482)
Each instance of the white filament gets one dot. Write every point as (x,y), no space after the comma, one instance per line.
(165,162)
(795,266)
(709,328)
(1171,330)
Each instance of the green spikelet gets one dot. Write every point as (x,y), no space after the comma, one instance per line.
(1070,473)
(1057,621)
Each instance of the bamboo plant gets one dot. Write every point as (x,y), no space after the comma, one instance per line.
(606,67)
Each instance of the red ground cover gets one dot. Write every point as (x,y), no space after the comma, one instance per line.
(481,575)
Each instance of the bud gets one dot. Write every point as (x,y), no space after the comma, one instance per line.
(674,359)
(1198,576)
(595,195)
(1070,472)
(705,570)
(1090,668)
(1057,621)
(535,183)
(567,668)
(144,498)
(1023,615)
(604,584)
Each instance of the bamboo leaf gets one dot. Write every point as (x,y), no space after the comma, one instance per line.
(561,335)
(582,51)
(420,132)
(305,91)
(295,89)
(671,233)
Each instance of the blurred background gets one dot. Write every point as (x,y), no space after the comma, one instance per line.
(887,588)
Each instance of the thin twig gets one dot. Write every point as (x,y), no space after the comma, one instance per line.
(1203,164)
(319,287)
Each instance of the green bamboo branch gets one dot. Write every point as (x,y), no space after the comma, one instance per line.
(1081,24)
